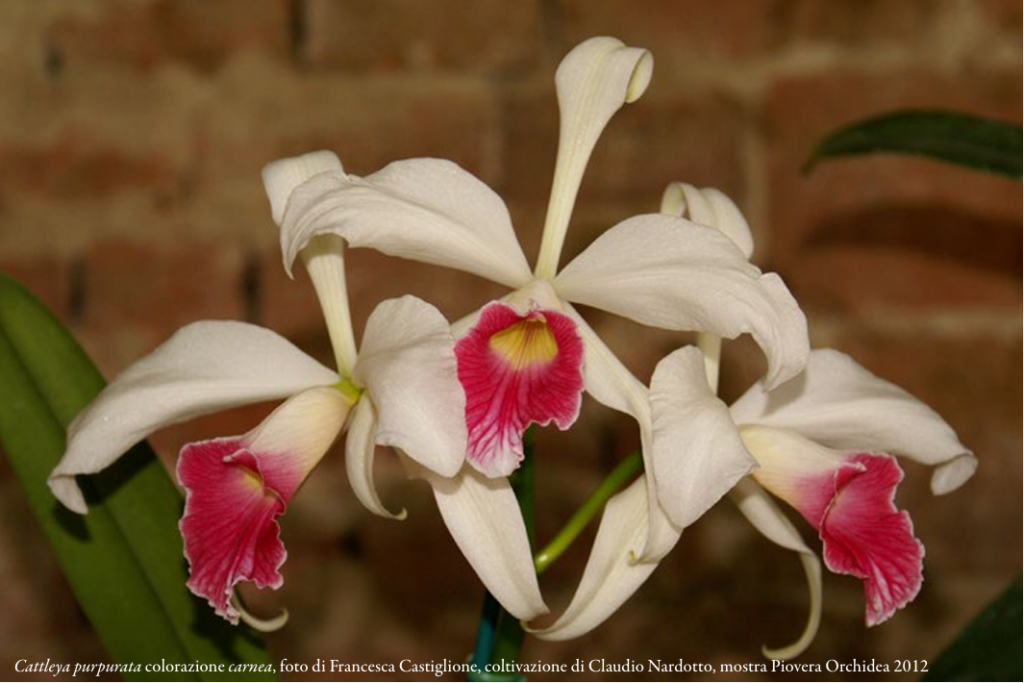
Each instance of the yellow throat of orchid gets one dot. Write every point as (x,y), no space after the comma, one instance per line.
(525,343)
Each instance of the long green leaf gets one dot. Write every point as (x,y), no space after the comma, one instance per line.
(988,649)
(980,143)
(124,559)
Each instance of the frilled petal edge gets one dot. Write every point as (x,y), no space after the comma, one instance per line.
(203,368)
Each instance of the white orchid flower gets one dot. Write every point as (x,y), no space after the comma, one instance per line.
(822,441)
(526,358)
(401,389)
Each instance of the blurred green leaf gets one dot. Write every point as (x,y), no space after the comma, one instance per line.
(980,143)
(124,559)
(989,649)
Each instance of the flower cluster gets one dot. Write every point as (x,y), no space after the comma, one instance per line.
(818,431)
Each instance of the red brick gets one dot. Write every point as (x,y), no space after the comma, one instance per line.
(678,30)
(379,35)
(860,23)
(1005,15)
(136,296)
(263,115)
(889,231)
(79,166)
(153,33)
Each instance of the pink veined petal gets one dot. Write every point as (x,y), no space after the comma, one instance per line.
(230,522)
(236,488)
(517,370)
(862,532)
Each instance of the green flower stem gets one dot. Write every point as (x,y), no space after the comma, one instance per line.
(622,473)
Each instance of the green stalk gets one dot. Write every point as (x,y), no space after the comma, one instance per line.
(623,472)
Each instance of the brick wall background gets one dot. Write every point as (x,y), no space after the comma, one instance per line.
(131,139)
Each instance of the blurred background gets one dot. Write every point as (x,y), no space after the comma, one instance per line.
(132,135)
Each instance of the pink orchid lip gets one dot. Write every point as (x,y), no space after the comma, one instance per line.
(517,369)
(230,523)
(863,534)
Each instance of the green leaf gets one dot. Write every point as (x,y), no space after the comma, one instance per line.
(989,648)
(971,141)
(124,559)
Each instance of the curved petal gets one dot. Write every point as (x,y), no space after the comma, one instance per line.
(840,404)
(709,207)
(517,370)
(236,488)
(611,576)
(203,368)
(407,364)
(483,517)
(426,210)
(759,509)
(284,175)
(610,383)
(698,454)
(668,272)
(359,451)
(593,82)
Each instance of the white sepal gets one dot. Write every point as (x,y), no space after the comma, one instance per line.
(205,367)
(427,210)
(758,508)
(671,273)
(611,575)
(284,175)
(839,404)
(709,207)
(593,82)
(484,519)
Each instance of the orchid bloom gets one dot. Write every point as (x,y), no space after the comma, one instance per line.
(401,390)
(784,436)
(526,358)
(824,443)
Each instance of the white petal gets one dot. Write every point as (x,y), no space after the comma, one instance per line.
(611,576)
(407,364)
(483,517)
(698,454)
(593,81)
(203,368)
(282,176)
(605,378)
(610,383)
(324,257)
(709,207)
(840,404)
(758,508)
(359,451)
(427,210)
(668,272)
(302,429)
